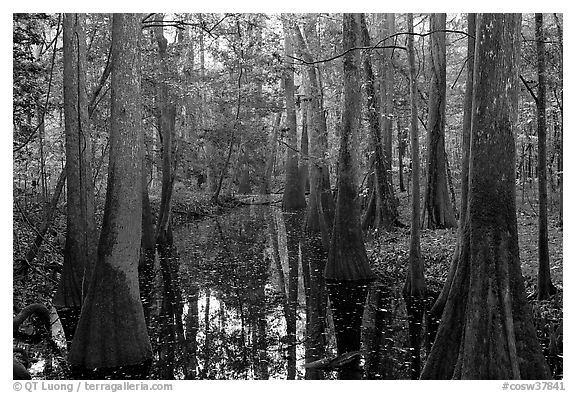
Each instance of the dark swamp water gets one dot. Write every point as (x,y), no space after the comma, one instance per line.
(243,298)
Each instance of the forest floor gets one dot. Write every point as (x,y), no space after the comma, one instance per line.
(437,246)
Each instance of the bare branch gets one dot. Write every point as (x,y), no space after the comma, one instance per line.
(378,46)
(367,48)
(529,89)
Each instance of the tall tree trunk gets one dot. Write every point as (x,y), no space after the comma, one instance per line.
(385,213)
(487,315)
(293,193)
(561,105)
(415,285)
(319,214)
(320,209)
(437,207)
(167,126)
(545,286)
(387,95)
(461,249)
(80,248)
(111,332)
(271,158)
(348,270)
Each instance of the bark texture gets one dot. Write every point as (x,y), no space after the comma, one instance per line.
(112,331)
(486,330)
(293,193)
(461,248)
(415,286)
(387,93)
(545,287)
(271,156)
(347,258)
(348,269)
(320,209)
(303,169)
(167,122)
(438,211)
(80,247)
(383,213)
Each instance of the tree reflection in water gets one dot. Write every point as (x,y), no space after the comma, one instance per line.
(222,301)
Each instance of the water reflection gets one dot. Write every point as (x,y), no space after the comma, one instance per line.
(242,298)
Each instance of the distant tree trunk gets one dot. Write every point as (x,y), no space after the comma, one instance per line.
(415,285)
(461,248)
(545,286)
(111,332)
(387,96)
(550,160)
(348,270)
(437,208)
(529,162)
(487,315)
(80,248)
(320,212)
(451,185)
(167,126)
(561,120)
(244,186)
(303,169)
(190,127)
(401,151)
(271,158)
(41,136)
(385,213)
(293,193)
